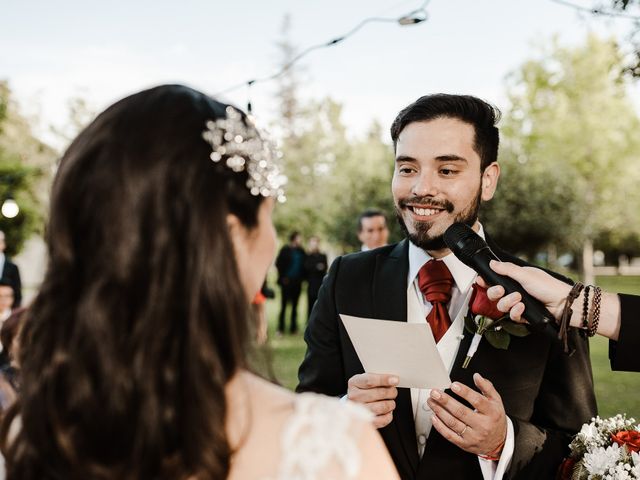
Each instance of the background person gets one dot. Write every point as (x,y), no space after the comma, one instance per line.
(290,265)
(315,268)
(10,272)
(10,339)
(7,300)
(372,229)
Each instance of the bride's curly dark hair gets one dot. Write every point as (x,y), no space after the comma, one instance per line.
(141,319)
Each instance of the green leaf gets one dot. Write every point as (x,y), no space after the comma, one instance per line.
(469,324)
(579,472)
(498,339)
(515,329)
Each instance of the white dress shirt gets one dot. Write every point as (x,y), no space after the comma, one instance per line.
(417,310)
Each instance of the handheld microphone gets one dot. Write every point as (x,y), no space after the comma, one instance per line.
(474,252)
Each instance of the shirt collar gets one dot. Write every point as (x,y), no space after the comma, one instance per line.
(462,275)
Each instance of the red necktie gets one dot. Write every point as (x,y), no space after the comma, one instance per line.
(435,282)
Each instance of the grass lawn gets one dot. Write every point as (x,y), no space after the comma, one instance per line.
(617,392)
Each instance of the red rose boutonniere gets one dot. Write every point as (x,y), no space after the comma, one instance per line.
(484,319)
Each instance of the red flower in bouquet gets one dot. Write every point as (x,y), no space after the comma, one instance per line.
(630,438)
(566,469)
(481,305)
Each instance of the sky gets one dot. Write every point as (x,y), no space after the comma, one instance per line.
(51,51)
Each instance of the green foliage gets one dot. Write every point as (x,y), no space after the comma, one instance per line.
(17,180)
(572,162)
(332,178)
(24,165)
(529,211)
(361,180)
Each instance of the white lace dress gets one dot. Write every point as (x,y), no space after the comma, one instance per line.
(321,436)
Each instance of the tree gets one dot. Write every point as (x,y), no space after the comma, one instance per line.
(529,212)
(80,114)
(310,136)
(632,9)
(362,180)
(24,162)
(571,118)
(332,178)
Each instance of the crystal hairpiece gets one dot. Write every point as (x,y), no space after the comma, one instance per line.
(243,147)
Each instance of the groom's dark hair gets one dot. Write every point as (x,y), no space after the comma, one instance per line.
(482,115)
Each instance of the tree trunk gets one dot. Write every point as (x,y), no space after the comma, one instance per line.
(588,275)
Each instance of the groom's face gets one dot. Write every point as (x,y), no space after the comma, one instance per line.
(437,179)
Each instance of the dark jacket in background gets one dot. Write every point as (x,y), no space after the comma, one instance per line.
(11,275)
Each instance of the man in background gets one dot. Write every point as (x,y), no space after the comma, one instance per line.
(10,273)
(315,268)
(290,265)
(372,229)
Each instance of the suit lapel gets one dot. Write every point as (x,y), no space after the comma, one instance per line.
(390,284)
(390,303)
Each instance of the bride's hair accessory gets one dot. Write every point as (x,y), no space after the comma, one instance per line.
(242,147)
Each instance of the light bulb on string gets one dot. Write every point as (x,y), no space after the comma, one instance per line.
(10,208)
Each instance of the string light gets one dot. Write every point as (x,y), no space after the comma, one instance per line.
(414,17)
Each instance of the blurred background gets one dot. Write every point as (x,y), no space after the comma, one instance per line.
(327,79)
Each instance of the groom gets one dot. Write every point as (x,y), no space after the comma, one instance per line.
(516,416)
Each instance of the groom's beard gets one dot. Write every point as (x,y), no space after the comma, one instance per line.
(421,237)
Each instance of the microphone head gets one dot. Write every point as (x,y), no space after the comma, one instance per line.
(463,242)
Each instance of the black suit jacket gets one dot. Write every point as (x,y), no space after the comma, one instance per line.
(547,395)
(624,353)
(11,274)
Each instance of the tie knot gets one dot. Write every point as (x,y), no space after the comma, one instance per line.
(435,282)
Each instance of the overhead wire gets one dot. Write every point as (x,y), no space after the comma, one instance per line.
(414,17)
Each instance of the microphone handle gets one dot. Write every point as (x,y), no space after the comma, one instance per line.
(535,312)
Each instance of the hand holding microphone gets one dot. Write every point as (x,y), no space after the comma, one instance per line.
(474,252)
(542,286)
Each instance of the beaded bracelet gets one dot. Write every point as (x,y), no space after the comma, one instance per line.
(595,312)
(585,308)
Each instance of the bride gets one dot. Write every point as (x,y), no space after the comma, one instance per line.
(134,357)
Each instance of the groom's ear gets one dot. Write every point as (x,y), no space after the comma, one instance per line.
(489,181)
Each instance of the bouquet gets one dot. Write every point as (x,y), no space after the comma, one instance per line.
(605,449)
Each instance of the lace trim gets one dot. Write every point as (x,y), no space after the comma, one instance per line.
(320,434)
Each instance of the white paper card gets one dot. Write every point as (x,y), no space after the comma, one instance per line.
(407,350)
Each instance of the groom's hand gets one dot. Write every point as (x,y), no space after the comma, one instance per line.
(480,431)
(377,392)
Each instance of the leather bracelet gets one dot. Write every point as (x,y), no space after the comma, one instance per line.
(595,312)
(563,334)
